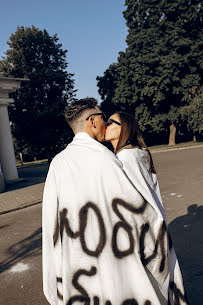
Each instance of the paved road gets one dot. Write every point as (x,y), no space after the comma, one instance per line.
(20,241)
(33,170)
(181,181)
(180,176)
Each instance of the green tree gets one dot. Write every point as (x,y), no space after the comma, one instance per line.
(192,112)
(107,85)
(37,115)
(163,59)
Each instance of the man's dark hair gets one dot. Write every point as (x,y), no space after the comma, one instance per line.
(75,109)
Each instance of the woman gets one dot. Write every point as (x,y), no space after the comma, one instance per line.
(124,134)
(129,146)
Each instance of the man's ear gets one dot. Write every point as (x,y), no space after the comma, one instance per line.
(92,122)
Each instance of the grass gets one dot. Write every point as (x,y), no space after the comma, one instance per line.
(32,163)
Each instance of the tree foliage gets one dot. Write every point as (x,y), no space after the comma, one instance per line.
(192,112)
(163,59)
(107,85)
(37,115)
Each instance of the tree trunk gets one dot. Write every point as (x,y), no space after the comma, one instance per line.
(194,139)
(49,157)
(21,158)
(172,136)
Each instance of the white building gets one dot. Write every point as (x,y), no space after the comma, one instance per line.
(8,170)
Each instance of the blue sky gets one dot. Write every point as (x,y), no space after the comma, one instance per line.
(93,32)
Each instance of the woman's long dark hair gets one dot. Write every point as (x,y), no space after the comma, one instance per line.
(130,134)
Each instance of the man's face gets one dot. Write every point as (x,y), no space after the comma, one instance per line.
(98,125)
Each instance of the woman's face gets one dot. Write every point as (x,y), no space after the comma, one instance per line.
(113,130)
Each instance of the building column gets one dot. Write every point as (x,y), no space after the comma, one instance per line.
(7,155)
(2,184)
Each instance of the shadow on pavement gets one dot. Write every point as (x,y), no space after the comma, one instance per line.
(29,175)
(30,246)
(187,234)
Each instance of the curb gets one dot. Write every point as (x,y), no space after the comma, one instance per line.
(20,208)
(173,149)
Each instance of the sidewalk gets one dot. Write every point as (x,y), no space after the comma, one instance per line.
(21,198)
(26,196)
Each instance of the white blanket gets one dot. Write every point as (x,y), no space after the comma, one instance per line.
(102,242)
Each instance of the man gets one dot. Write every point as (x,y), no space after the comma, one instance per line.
(102,242)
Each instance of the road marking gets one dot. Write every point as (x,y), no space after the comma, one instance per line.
(20,267)
(173,194)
